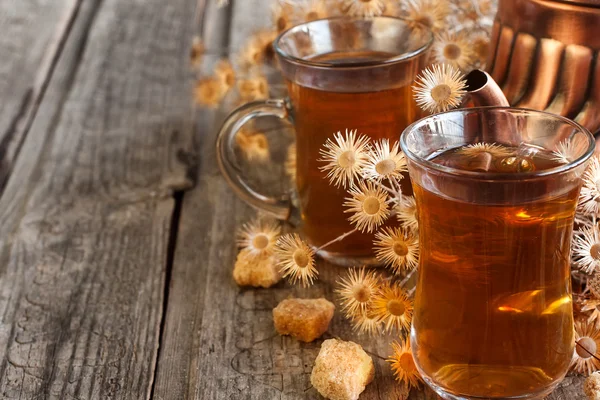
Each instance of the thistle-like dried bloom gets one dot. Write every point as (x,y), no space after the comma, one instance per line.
(431,13)
(366,324)
(364,8)
(393,307)
(356,291)
(568,150)
(296,260)
(225,73)
(257,50)
(259,237)
(589,199)
(311,10)
(392,8)
(586,249)
(592,305)
(197,51)
(406,213)
(403,364)
(255,88)
(385,163)
(345,158)
(585,357)
(368,205)
(454,49)
(254,145)
(398,248)
(209,92)
(493,149)
(282,14)
(290,162)
(440,88)
(480,43)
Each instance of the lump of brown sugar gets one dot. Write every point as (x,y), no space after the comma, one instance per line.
(259,271)
(342,370)
(591,387)
(304,319)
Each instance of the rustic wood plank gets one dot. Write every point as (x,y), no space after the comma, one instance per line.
(33,33)
(85,218)
(219,341)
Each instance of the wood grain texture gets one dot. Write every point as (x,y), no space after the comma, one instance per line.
(33,33)
(86,215)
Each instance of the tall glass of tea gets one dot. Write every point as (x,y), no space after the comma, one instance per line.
(341,73)
(496,192)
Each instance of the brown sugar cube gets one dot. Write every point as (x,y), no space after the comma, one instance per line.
(591,387)
(304,319)
(256,271)
(342,370)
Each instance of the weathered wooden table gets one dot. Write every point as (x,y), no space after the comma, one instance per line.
(116,228)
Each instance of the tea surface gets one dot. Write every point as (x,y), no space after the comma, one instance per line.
(318,115)
(493,309)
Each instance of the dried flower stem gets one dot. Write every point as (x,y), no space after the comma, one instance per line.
(337,239)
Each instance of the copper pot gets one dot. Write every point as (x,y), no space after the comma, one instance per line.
(544,56)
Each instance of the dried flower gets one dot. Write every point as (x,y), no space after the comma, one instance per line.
(369,206)
(392,8)
(493,149)
(296,260)
(290,162)
(454,49)
(282,14)
(356,291)
(311,10)
(385,163)
(568,150)
(586,249)
(592,305)
(398,248)
(345,158)
(480,44)
(251,89)
(587,339)
(197,51)
(209,92)
(366,324)
(403,364)
(406,213)
(259,237)
(254,145)
(440,88)
(431,13)
(393,307)
(364,8)
(225,73)
(589,199)
(257,50)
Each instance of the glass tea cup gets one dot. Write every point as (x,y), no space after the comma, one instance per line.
(496,192)
(341,73)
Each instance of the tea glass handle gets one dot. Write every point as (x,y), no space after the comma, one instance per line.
(279,208)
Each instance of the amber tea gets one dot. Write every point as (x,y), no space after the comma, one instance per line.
(341,74)
(493,312)
(318,114)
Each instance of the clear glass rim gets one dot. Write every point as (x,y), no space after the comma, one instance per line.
(317,64)
(499,176)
